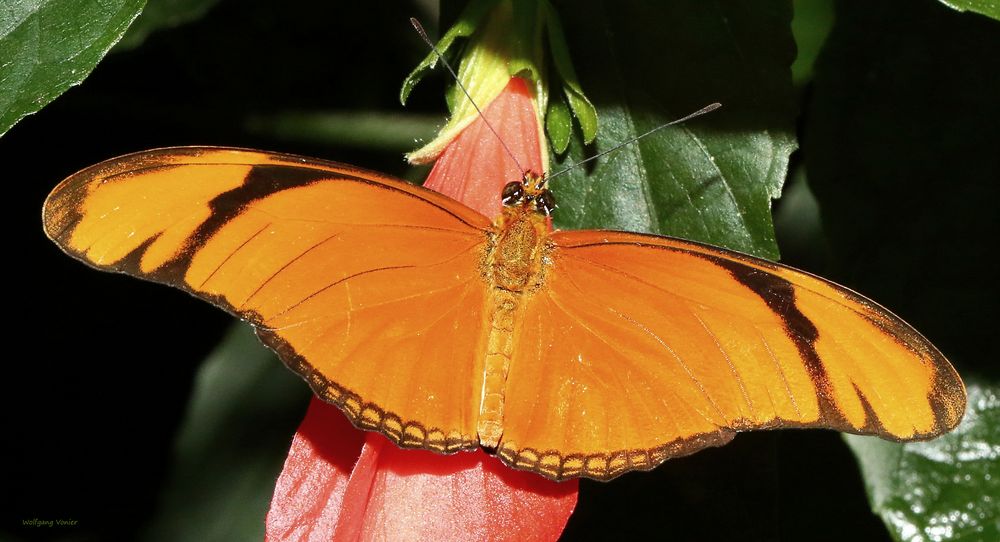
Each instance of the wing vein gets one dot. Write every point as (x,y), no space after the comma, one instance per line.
(615,374)
(781,372)
(287,264)
(729,361)
(630,276)
(231,254)
(656,338)
(370,271)
(464,233)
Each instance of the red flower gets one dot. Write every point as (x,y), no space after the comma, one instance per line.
(339,483)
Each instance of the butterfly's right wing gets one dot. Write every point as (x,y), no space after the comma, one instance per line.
(368,287)
(640,348)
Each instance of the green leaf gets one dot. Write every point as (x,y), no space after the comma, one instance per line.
(584,111)
(944,489)
(558,124)
(466,24)
(161,14)
(990,8)
(232,444)
(711,179)
(49,46)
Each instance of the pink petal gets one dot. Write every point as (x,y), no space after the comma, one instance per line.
(394,494)
(419,495)
(310,491)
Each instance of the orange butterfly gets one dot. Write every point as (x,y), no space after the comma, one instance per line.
(567,353)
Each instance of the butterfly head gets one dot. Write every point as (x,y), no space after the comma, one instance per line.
(531,192)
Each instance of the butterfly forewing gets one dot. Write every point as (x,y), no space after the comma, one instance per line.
(367,286)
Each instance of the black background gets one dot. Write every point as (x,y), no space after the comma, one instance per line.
(99,367)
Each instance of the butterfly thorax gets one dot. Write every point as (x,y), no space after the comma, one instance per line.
(517,255)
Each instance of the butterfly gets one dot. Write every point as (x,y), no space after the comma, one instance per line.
(577,353)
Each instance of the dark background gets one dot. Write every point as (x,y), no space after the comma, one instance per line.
(99,367)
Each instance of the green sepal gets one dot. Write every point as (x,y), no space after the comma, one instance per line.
(559,124)
(524,57)
(464,27)
(585,112)
(525,44)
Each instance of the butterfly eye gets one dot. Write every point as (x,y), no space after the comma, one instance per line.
(545,203)
(513,193)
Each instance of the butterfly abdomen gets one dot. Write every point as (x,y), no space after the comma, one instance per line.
(499,346)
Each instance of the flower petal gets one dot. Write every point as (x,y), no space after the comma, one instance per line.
(474,166)
(310,491)
(420,495)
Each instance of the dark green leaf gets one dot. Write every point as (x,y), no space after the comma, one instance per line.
(647,63)
(232,444)
(160,14)
(944,489)
(990,8)
(49,46)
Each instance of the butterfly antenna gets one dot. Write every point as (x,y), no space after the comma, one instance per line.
(707,109)
(423,35)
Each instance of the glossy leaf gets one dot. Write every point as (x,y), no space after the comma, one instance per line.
(49,46)
(990,8)
(231,445)
(711,179)
(161,14)
(944,489)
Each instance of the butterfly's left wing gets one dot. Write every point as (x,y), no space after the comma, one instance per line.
(367,286)
(639,348)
